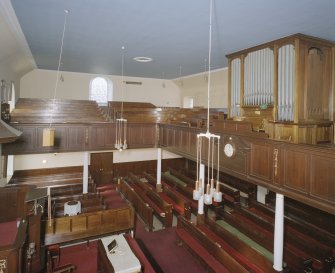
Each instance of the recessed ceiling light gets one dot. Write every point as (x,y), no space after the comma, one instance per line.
(143,59)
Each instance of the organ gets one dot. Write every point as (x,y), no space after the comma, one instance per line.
(285,87)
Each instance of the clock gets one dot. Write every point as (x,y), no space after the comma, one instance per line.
(229,149)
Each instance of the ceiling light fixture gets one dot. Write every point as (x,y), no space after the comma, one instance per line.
(48,138)
(205,197)
(142,59)
(121,123)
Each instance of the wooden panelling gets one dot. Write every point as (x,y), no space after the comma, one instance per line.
(302,172)
(80,137)
(323,177)
(77,137)
(296,170)
(261,163)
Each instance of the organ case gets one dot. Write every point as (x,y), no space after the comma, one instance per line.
(286,88)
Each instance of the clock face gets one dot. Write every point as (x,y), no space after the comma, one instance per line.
(229,150)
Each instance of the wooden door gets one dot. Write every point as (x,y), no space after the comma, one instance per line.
(101,167)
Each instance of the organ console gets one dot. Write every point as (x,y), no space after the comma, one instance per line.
(285,87)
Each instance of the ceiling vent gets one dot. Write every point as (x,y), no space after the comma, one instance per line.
(131,82)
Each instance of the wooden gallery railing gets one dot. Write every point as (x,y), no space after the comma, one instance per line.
(79,137)
(302,172)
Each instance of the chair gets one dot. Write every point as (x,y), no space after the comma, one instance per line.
(53,261)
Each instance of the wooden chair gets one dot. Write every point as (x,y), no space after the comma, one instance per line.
(53,254)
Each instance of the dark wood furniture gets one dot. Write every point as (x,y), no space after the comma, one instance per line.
(288,83)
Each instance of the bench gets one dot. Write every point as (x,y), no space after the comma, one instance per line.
(145,264)
(210,253)
(295,258)
(180,204)
(143,210)
(162,209)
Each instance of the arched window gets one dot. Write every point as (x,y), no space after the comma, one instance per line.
(101,90)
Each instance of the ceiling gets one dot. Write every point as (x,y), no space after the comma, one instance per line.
(175,33)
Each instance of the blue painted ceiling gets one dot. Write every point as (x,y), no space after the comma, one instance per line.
(175,33)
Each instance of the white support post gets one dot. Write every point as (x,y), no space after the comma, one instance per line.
(278,233)
(85,173)
(202,185)
(159,165)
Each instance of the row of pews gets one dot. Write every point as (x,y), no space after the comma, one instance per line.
(138,112)
(100,213)
(56,111)
(238,234)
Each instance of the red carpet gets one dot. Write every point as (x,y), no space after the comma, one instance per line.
(160,245)
(169,256)
(83,256)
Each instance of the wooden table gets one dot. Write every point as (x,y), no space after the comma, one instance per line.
(122,261)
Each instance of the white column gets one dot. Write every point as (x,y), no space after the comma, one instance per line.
(85,173)
(278,244)
(202,185)
(159,166)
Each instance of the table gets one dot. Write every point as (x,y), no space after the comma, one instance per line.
(122,261)
(72,208)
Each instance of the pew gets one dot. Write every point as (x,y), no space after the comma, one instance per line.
(210,253)
(70,111)
(89,203)
(145,264)
(321,254)
(230,195)
(162,209)
(254,252)
(296,259)
(70,189)
(180,204)
(143,210)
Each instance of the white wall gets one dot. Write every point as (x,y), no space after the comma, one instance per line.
(41,84)
(42,161)
(195,86)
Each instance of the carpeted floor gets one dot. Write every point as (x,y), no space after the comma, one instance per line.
(161,245)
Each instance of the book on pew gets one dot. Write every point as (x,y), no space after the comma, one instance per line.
(112,246)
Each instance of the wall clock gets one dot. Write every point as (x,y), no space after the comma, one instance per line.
(229,149)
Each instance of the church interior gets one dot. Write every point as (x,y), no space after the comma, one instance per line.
(167,136)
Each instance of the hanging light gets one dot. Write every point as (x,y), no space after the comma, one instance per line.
(121,123)
(212,191)
(48,139)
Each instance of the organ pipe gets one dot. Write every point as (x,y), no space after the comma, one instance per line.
(286,82)
(235,87)
(258,80)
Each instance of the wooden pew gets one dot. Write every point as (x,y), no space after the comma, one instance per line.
(210,253)
(143,210)
(162,209)
(186,192)
(71,111)
(145,264)
(89,203)
(321,254)
(259,257)
(230,195)
(180,204)
(73,189)
(297,260)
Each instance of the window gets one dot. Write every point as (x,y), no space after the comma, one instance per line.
(101,90)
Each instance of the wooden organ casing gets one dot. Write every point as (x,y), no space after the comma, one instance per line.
(286,88)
